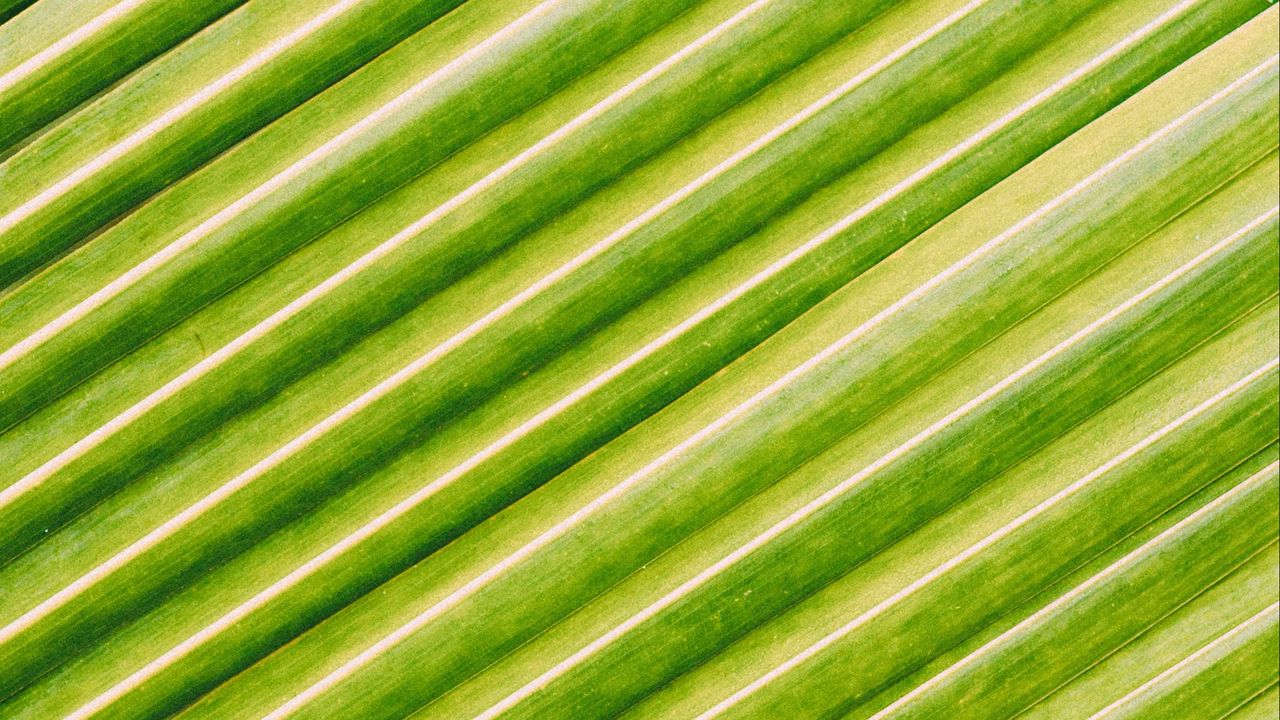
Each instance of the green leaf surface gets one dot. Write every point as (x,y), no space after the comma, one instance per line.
(639,358)
(180,111)
(62,52)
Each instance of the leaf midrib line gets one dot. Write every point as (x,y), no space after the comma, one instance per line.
(826,498)
(1209,647)
(973,550)
(166,119)
(66,44)
(723,421)
(247,201)
(1093,582)
(309,568)
(35,478)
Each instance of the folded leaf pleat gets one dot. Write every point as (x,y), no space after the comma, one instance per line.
(639,358)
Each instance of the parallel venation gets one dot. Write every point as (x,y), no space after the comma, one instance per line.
(639,358)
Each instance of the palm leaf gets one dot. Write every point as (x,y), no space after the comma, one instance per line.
(589,358)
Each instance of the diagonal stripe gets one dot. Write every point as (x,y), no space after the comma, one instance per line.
(1070,596)
(316,563)
(97,437)
(940,571)
(830,496)
(170,116)
(228,351)
(602,501)
(542,418)
(386,386)
(1258,619)
(66,44)
(247,201)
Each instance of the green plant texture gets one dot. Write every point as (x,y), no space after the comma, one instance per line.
(640,359)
